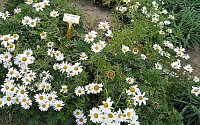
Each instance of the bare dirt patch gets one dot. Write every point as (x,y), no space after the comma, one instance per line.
(93,14)
(194,59)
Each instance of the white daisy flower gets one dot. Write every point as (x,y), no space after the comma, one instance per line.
(64,89)
(29,2)
(78,113)
(109,33)
(50,44)
(96,48)
(43,35)
(135,50)
(143,57)
(32,23)
(188,68)
(79,91)
(58,104)
(17,10)
(158,66)
(81,120)
(15,36)
(195,90)
(125,49)
(54,13)
(144,10)
(133,90)
(39,6)
(104,25)
(130,80)
(5,15)
(83,56)
(95,115)
(46,2)
(196,79)
(43,106)
(140,98)
(26,20)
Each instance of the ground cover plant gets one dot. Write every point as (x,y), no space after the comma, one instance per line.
(127,74)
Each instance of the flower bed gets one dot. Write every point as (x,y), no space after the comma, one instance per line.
(127,74)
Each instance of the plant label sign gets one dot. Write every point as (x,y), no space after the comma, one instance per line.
(70,18)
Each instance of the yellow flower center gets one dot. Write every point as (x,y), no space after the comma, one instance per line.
(77,113)
(64,89)
(31,75)
(26,21)
(43,34)
(128,113)
(57,54)
(32,23)
(111,74)
(0,102)
(96,87)
(43,86)
(38,6)
(50,98)
(11,46)
(8,98)
(22,92)
(81,119)
(195,90)
(64,67)
(140,97)
(119,115)
(47,86)
(12,89)
(43,106)
(7,87)
(14,35)
(132,89)
(6,39)
(5,15)
(96,47)
(41,97)
(76,68)
(110,115)
(6,56)
(27,80)
(90,36)
(105,105)
(23,100)
(124,50)
(95,115)
(24,59)
(79,91)
(45,75)
(82,56)
(58,105)
(104,25)
(11,72)
(54,14)
(17,76)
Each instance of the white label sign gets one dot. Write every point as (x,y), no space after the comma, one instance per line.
(71,18)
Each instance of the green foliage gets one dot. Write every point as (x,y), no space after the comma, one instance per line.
(189,105)
(187,21)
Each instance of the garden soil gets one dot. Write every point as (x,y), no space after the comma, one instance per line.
(93,14)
